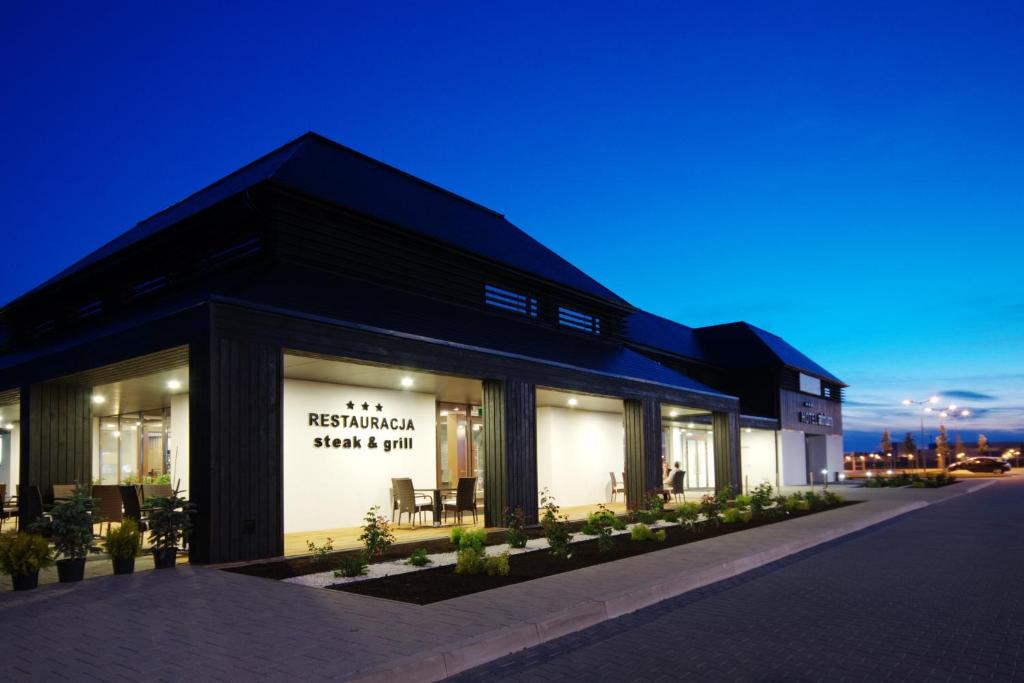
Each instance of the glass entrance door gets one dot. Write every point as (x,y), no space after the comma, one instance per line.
(460,445)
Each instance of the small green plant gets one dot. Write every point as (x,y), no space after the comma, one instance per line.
(470,561)
(736,515)
(723,496)
(377,535)
(497,565)
(600,524)
(125,541)
(671,515)
(832,499)
(654,502)
(351,566)
(515,534)
(711,508)
(169,520)
(797,503)
(742,501)
(320,552)
(70,525)
(642,532)
(688,513)
(760,498)
(462,538)
(23,553)
(418,558)
(555,526)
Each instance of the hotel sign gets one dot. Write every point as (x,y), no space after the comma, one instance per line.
(381,426)
(820,419)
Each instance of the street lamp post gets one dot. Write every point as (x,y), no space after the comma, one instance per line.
(927,409)
(955,413)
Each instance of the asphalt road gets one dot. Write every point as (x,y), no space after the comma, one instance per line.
(935,595)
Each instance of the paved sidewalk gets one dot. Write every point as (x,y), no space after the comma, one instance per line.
(203,623)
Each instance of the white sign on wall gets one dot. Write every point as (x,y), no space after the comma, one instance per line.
(343,445)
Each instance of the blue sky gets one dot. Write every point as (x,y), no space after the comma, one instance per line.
(846,175)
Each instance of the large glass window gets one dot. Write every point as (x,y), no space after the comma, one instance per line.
(687,439)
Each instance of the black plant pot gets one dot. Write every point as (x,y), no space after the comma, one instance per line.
(69,571)
(124,565)
(164,558)
(24,582)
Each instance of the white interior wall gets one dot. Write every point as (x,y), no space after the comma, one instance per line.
(177,443)
(834,454)
(576,449)
(757,458)
(328,488)
(12,467)
(95,450)
(792,458)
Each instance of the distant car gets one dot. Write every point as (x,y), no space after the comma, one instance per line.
(980,464)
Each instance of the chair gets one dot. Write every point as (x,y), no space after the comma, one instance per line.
(156,491)
(63,492)
(465,499)
(677,485)
(132,505)
(30,506)
(617,488)
(108,505)
(406,500)
(6,510)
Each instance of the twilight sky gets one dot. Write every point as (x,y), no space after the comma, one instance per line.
(849,176)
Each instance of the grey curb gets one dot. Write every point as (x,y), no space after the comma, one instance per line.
(436,664)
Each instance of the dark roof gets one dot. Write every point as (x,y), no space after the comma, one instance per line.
(741,344)
(316,166)
(654,332)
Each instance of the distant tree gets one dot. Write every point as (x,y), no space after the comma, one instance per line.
(958,445)
(886,442)
(942,446)
(982,444)
(909,447)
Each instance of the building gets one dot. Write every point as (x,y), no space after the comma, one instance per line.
(290,338)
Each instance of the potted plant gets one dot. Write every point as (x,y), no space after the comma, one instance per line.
(170,519)
(70,528)
(22,555)
(123,544)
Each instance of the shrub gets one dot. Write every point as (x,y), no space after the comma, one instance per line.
(642,532)
(354,565)
(470,561)
(688,513)
(418,558)
(319,552)
(742,501)
(555,525)
(797,503)
(654,502)
(646,516)
(832,499)
(600,524)
(711,507)
(671,515)
(377,536)
(724,495)
(70,525)
(23,553)
(463,538)
(515,534)
(124,541)
(760,498)
(497,565)
(814,501)
(169,520)
(732,515)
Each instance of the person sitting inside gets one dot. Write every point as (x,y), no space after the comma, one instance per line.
(667,482)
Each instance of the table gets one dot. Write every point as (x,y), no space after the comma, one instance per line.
(436,495)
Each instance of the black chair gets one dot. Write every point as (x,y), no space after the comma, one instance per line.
(407,501)
(465,499)
(108,505)
(132,504)
(30,506)
(677,484)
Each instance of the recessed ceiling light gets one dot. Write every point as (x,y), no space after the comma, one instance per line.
(117,433)
(572,402)
(690,426)
(444,413)
(407,381)
(173,384)
(8,426)
(674,413)
(97,399)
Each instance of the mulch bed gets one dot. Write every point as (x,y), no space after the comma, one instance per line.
(442,583)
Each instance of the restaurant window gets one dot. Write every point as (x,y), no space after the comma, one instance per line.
(460,445)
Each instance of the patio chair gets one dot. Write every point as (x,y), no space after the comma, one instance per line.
(156,491)
(108,505)
(63,492)
(132,503)
(407,501)
(677,485)
(465,499)
(7,509)
(617,488)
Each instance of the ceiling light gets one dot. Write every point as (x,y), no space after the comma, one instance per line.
(674,413)
(173,384)
(690,425)
(572,402)
(444,413)
(407,382)
(8,426)
(97,399)
(117,433)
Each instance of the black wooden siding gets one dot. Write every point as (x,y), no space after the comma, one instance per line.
(510,450)
(56,435)
(726,442)
(642,421)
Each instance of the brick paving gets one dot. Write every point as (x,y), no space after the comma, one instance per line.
(930,596)
(198,623)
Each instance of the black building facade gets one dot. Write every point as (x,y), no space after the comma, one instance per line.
(289,338)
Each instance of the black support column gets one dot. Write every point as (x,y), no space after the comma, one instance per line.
(56,436)
(510,450)
(727,450)
(642,420)
(235,449)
